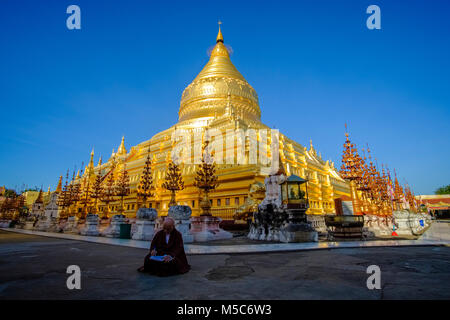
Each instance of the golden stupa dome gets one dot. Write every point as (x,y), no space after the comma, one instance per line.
(219,89)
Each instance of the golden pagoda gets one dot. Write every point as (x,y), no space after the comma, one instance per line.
(40,198)
(59,186)
(220,98)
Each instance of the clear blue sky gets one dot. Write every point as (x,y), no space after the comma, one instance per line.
(314,65)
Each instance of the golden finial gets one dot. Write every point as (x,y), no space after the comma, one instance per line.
(59,187)
(99,161)
(90,166)
(311,147)
(122,150)
(219,35)
(39,198)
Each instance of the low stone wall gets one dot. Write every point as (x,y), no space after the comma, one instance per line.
(317,222)
(403,222)
(410,223)
(378,226)
(5,223)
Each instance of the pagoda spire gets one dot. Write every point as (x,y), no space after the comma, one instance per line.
(59,187)
(219,49)
(122,150)
(219,35)
(311,147)
(40,197)
(90,167)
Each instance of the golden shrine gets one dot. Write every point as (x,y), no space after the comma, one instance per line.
(219,97)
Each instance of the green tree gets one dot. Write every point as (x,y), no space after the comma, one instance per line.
(443,190)
(32,189)
(10,193)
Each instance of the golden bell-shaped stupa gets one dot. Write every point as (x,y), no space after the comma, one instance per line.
(212,89)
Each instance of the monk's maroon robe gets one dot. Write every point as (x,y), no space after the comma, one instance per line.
(174,248)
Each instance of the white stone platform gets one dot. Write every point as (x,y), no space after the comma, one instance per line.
(438,236)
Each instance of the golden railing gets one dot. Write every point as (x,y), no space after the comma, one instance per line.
(226,213)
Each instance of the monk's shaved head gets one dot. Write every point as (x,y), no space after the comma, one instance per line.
(169,221)
(168,225)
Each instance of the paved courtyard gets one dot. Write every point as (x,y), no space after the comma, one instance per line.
(34,267)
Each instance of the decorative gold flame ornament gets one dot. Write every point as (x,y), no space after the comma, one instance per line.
(173,182)
(372,192)
(64,198)
(85,199)
(75,195)
(206,179)
(97,188)
(109,191)
(352,170)
(122,187)
(364,185)
(145,187)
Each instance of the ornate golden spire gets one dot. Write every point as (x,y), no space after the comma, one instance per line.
(352,169)
(122,151)
(99,161)
(311,147)
(207,95)
(90,168)
(219,35)
(59,187)
(39,198)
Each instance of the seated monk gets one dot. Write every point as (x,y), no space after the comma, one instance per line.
(167,242)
